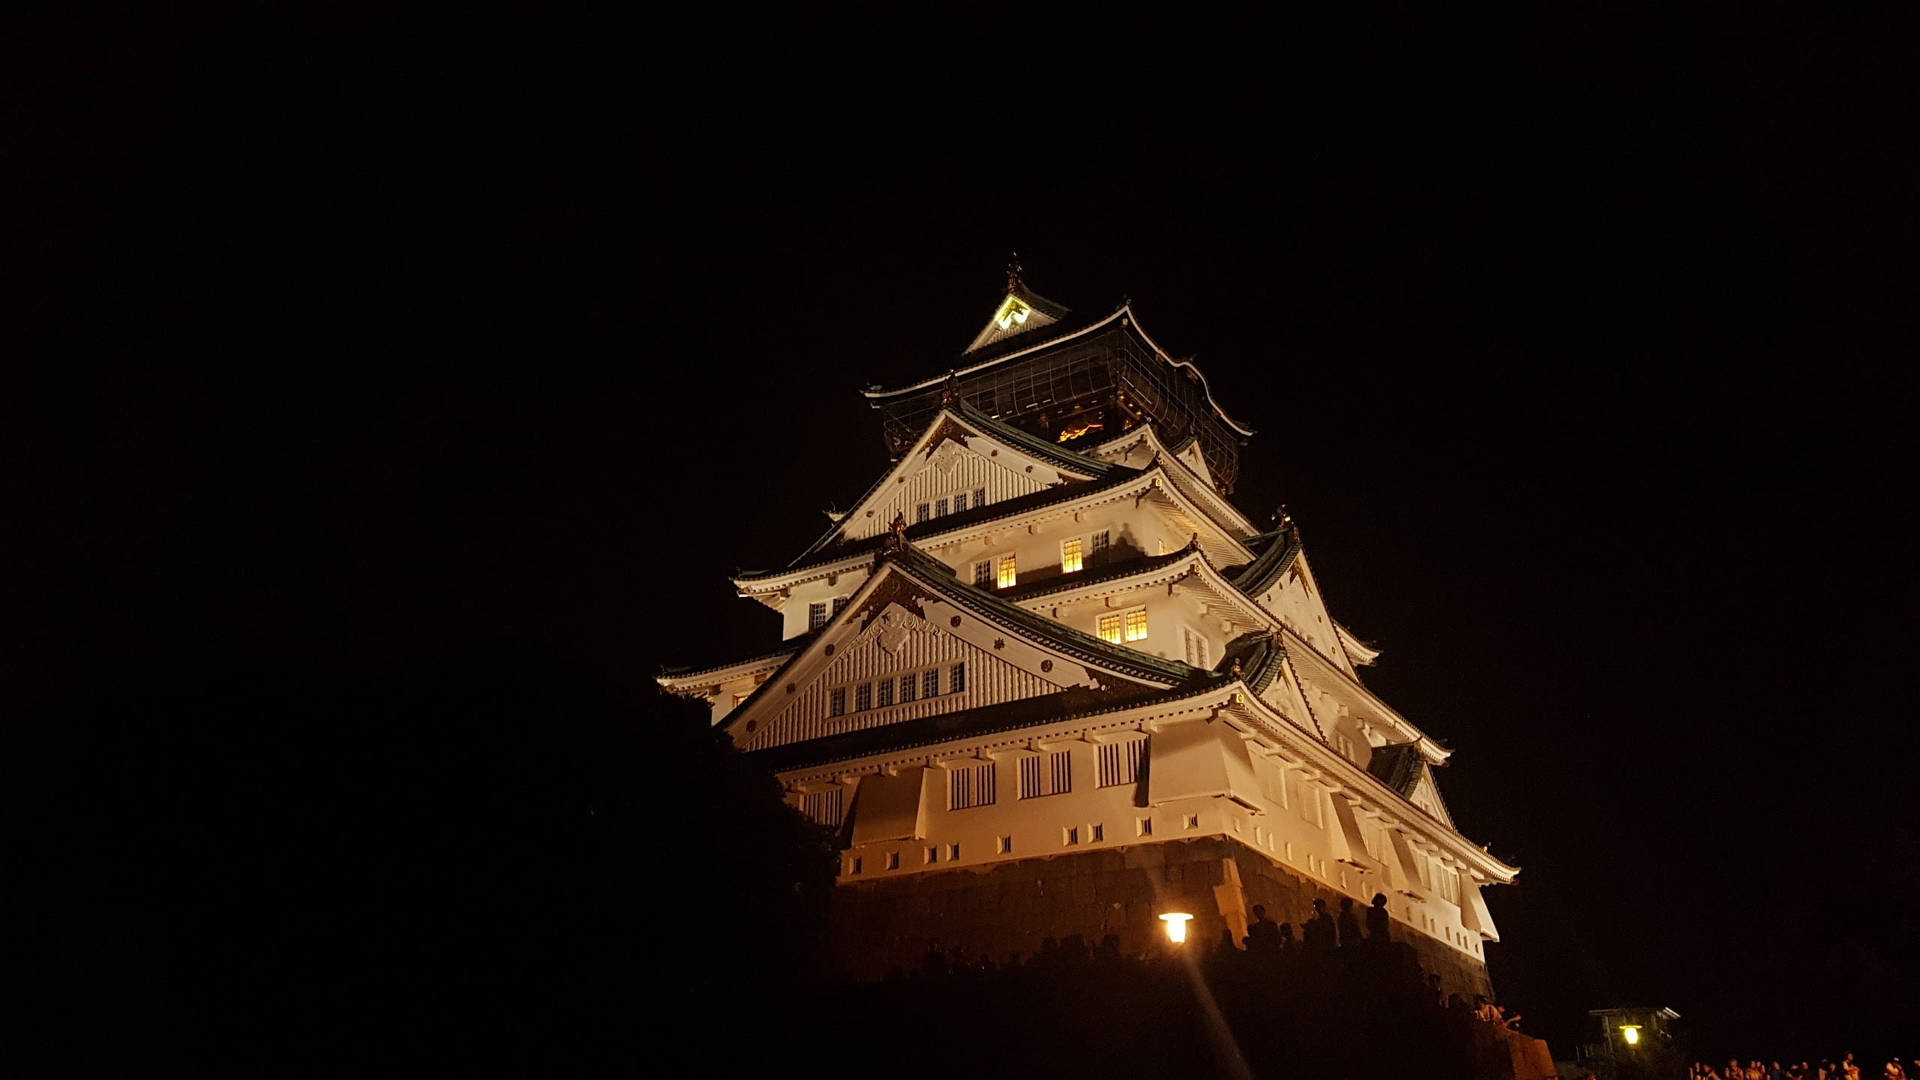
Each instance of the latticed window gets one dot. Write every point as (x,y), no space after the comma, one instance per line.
(956,678)
(1098,543)
(1197,651)
(979,497)
(1046,774)
(863,697)
(940,508)
(1009,572)
(909,688)
(921,512)
(837,701)
(983,573)
(886,693)
(970,786)
(823,806)
(1071,555)
(960,502)
(930,683)
(1136,625)
(840,604)
(1110,628)
(816,615)
(1120,762)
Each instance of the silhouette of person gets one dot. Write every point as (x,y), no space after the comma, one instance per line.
(1349,925)
(1317,934)
(1378,921)
(1263,935)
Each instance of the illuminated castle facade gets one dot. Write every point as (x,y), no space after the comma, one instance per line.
(1044,679)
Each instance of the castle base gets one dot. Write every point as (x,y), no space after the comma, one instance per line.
(998,911)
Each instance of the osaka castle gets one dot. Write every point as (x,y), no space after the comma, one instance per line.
(1045,679)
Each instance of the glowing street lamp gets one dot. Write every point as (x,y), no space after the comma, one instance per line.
(1631,1033)
(1176,925)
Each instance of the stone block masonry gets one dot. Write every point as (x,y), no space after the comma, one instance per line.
(1003,909)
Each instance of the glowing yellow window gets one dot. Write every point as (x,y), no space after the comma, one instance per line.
(1110,628)
(1070,559)
(1136,624)
(1009,573)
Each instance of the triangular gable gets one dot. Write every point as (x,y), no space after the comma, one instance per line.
(1294,598)
(1426,795)
(954,462)
(908,623)
(1020,311)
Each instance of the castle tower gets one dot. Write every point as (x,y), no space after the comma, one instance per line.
(1044,679)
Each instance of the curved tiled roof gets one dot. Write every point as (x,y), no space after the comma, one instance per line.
(1267,567)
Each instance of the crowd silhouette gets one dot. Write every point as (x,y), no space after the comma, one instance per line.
(1825,1069)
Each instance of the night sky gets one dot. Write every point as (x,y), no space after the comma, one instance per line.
(1578,341)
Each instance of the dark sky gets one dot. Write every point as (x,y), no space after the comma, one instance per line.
(1577,339)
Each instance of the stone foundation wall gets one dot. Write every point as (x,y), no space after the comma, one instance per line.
(996,911)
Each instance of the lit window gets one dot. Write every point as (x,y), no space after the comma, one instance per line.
(979,497)
(886,693)
(816,616)
(940,508)
(983,573)
(959,502)
(956,678)
(909,685)
(1110,628)
(930,683)
(920,512)
(837,701)
(1099,546)
(1070,555)
(1009,572)
(863,697)
(1136,625)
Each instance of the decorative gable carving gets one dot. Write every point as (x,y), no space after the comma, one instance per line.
(896,643)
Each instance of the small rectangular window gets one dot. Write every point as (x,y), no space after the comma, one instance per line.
(940,508)
(979,497)
(930,683)
(960,503)
(863,697)
(856,865)
(837,701)
(983,573)
(816,615)
(1193,821)
(933,854)
(1098,545)
(1009,572)
(953,852)
(840,604)
(886,693)
(920,513)
(1003,846)
(1096,833)
(1110,628)
(909,688)
(1069,835)
(1136,625)
(956,678)
(1143,826)
(893,860)
(1071,556)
